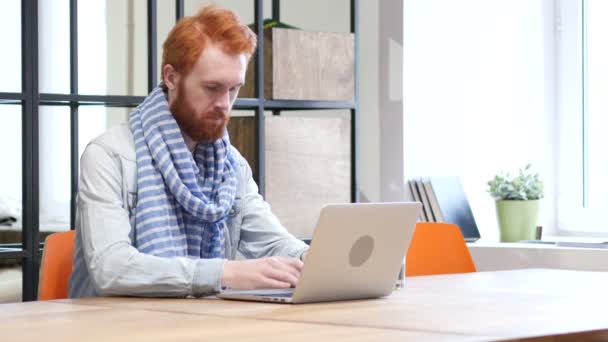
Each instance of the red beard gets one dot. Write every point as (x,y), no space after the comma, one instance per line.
(200,127)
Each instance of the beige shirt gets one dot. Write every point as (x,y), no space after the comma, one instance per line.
(105,261)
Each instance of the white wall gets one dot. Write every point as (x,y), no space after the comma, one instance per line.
(369,123)
(479,95)
(389,111)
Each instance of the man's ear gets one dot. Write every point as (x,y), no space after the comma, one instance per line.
(170,76)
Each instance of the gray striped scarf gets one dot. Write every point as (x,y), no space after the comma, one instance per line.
(182,200)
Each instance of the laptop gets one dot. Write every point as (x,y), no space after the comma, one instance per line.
(356,253)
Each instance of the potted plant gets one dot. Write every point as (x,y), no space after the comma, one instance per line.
(517,203)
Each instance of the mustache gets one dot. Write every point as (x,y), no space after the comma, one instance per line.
(216,115)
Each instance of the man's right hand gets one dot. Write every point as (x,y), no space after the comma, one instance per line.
(270,272)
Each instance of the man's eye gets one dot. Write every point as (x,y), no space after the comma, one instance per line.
(213,88)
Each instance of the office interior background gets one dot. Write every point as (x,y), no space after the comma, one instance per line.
(465,88)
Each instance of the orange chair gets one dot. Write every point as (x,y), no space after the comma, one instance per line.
(56,266)
(437,248)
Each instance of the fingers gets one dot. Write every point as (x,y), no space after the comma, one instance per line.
(297,263)
(284,269)
(281,275)
(291,265)
(269,283)
(269,272)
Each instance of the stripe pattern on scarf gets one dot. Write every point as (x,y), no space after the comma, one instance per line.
(183,200)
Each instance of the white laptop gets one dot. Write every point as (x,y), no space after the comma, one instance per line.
(356,252)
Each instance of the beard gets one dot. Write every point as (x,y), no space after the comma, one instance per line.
(202,127)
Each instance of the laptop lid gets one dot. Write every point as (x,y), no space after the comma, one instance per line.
(356,252)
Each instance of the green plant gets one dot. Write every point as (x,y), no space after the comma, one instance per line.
(525,186)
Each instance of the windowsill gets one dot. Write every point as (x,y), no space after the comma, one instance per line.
(551,242)
(494,256)
(572,238)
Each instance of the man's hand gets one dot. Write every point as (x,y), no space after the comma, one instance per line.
(270,272)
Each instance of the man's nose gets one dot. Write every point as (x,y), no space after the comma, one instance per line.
(223,101)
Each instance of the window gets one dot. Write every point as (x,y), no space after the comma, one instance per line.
(582,106)
(92,62)
(10,182)
(478,96)
(10,17)
(111,64)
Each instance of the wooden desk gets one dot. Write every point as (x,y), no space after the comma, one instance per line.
(538,304)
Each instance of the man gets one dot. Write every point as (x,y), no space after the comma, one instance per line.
(165,202)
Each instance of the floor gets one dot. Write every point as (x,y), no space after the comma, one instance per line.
(10,284)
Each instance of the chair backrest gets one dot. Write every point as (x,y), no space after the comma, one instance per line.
(56,266)
(437,248)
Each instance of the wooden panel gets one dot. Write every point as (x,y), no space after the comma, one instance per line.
(307,166)
(305,65)
(312,65)
(248,89)
(242,136)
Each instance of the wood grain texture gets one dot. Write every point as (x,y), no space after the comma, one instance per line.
(114,324)
(542,304)
(312,65)
(307,163)
(12,310)
(305,65)
(248,88)
(307,166)
(242,136)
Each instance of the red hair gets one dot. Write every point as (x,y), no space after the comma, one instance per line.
(211,24)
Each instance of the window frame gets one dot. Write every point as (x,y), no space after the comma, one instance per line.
(575,217)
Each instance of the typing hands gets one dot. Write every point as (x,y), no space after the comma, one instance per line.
(270,272)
